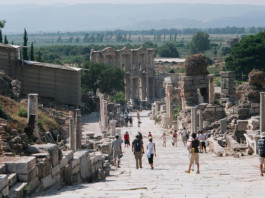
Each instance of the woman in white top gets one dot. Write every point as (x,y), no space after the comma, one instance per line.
(164,139)
(151,150)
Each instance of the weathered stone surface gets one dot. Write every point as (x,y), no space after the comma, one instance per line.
(20,164)
(56,170)
(3,181)
(5,191)
(52,149)
(27,177)
(17,190)
(12,179)
(2,168)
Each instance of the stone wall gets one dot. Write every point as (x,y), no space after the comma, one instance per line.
(228,87)
(48,166)
(48,80)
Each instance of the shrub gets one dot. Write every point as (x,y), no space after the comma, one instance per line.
(22,112)
(2,113)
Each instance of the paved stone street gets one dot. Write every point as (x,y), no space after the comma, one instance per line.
(220,177)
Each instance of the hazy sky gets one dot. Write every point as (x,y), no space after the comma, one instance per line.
(45,2)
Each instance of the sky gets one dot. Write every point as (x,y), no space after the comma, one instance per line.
(47,2)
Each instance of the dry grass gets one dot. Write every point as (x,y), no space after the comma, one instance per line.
(16,121)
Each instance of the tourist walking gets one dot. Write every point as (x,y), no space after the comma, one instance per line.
(138,150)
(139,123)
(202,139)
(138,115)
(164,139)
(127,139)
(261,148)
(140,135)
(131,121)
(174,138)
(151,151)
(184,136)
(150,135)
(195,143)
(117,150)
(189,151)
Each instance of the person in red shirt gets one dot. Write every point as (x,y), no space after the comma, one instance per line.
(149,135)
(127,139)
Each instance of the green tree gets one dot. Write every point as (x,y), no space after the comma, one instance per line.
(2,24)
(25,45)
(200,42)
(1,37)
(32,52)
(119,98)
(104,78)
(246,55)
(5,41)
(168,50)
(39,59)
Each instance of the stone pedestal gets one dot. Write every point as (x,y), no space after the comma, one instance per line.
(78,125)
(223,125)
(118,131)
(211,88)
(72,141)
(33,113)
(262,112)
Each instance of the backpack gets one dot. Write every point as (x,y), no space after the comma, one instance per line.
(137,146)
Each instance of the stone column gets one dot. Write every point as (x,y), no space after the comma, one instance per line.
(32,116)
(211,88)
(143,81)
(194,119)
(156,108)
(78,126)
(112,127)
(200,119)
(153,94)
(72,141)
(131,89)
(147,89)
(262,112)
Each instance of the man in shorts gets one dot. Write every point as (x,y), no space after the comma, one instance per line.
(184,135)
(261,147)
(116,149)
(127,139)
(194,148)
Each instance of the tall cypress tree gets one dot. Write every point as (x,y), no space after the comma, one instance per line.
(39,56)
(5,41)
(32,52)
(25,45)
(1,37)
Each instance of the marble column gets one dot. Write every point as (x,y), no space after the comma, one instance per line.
(194,119)
(153,94)
(211,88)
(78,129)
(147,89)
(72,141)
(33,113)
(200,119)
(143,81)
(262,112)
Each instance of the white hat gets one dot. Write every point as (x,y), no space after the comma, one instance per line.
(262,135)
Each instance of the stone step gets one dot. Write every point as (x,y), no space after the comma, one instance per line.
(17,190)
(12,179)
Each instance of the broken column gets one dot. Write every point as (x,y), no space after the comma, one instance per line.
(33,114)
(78,126)
(193,119)
(262,112)
(211,88)
(113,127)
(200,119)
(228,87)
(72,141)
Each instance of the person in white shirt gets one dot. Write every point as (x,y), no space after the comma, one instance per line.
(151,151)
(202,139)
(184,135)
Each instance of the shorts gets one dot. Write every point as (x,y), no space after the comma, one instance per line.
(261,160)
(203,144)
(194,157)
(127,142)
(184,138)
(150,159)
(116,154)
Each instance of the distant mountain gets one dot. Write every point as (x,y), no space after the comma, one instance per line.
(90,17)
